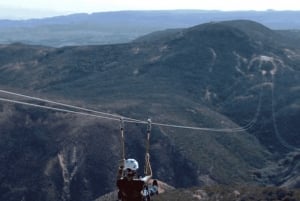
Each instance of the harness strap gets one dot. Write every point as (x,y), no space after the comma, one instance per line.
(147,162)
(122,142)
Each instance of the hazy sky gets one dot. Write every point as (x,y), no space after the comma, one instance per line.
(17,8)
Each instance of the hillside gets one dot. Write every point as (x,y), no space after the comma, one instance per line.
(233,74)
(225,193)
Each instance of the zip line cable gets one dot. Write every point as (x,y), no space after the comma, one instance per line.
(238,129)
(128,120)
(274,122)
(66,105)
(251,123)
(56,109)
(117,117)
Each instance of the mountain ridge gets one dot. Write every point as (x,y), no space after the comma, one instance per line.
(125,26)
(209,76)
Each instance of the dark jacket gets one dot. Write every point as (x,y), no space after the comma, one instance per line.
(130,190)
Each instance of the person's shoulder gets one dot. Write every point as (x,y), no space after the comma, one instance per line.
(145,178)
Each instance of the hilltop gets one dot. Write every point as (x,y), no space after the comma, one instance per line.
(125,26)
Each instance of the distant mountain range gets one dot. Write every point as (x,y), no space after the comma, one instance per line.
(238,76)
(125,26)
(19,13)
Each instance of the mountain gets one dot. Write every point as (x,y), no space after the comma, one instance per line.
(237,76)
(125,26)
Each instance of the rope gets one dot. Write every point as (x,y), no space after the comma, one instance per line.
(122,138)
(147,167)
(148,135)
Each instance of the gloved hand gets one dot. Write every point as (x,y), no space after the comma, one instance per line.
(121,167)
(121,164)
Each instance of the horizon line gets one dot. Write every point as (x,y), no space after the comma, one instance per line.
(53,14)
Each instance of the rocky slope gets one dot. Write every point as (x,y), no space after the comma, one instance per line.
(227,75)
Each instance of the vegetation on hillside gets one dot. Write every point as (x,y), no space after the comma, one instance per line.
(225,75)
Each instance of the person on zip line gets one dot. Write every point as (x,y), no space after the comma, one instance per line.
(131,187)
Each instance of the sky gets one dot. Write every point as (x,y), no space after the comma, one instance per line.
(19,9)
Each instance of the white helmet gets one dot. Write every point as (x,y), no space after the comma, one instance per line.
(131,164)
